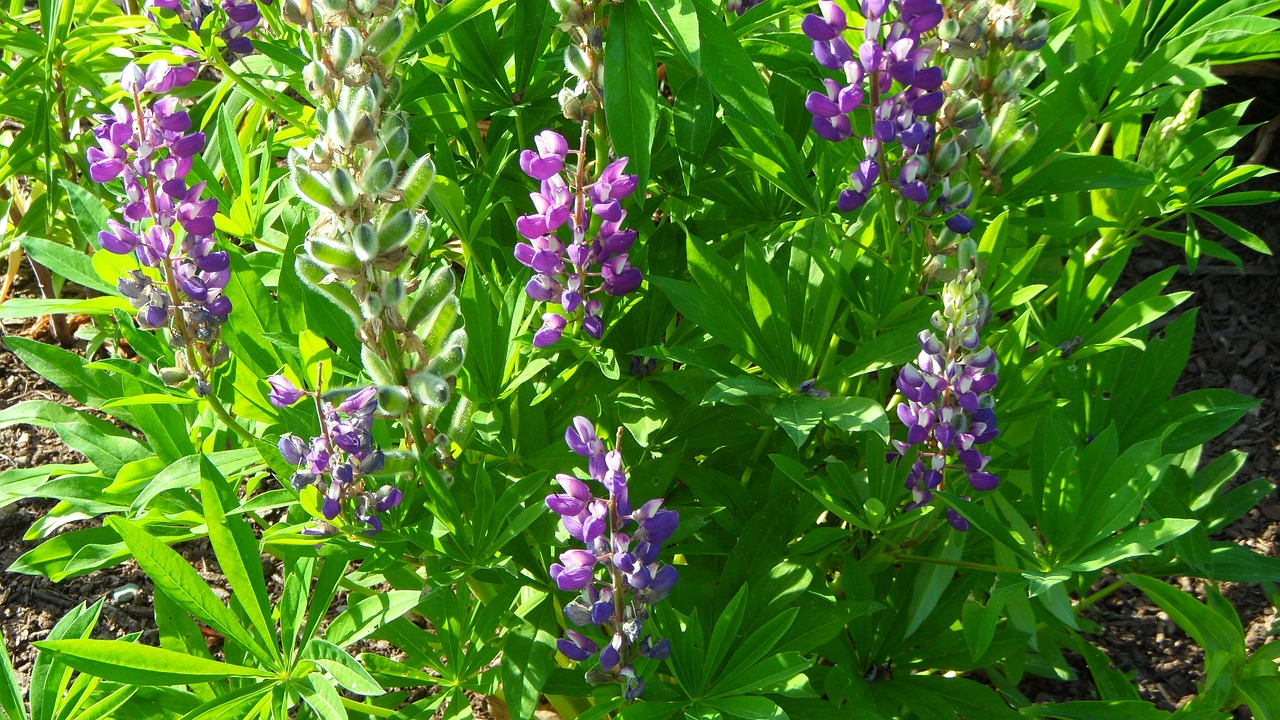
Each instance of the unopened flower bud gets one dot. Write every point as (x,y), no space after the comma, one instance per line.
(173,377)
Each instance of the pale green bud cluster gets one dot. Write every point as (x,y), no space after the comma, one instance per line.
(991,46)
(973,28)
(965,308)
(369,189)
(1163,133)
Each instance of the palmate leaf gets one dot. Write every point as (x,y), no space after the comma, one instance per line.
(171,573)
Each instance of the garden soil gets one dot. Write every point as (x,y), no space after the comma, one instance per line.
(1236,346)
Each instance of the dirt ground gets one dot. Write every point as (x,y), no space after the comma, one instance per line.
(1235,347)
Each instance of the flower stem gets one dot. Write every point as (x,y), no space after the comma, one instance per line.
(956,563)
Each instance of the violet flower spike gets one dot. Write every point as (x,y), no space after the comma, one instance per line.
(947,406)
(616,573)
(571,271)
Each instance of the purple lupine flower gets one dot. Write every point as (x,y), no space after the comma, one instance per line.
(339,461)
(891,71)
(572,274)
(242,17)
(283,392)
(616,574)
(946,404)
(167,226)
(741,6)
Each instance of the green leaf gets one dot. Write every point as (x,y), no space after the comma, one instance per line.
(1077,172)
(363,617)
(345,670)
(748,707)
(185,473)
(1222,640)
(67,262)
(254,318)
(453,15)
(49,674)
(630,73)
(528,657)
(23,308)
(1137,542)
(650,711)
(798,415)
(11,705)
(107,446)
(179,581)
(229,148)
(324,698)
(91,217)
(133,664)
(1097,710)
(238,554)
(71,553)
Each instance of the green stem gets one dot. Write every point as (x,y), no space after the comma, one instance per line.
(957,563)
(1093,599)
(220,411)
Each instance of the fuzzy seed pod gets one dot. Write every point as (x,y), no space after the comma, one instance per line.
(378,177)
(393,292)
(332,253)
(417,181)
(310,187)
(345,47)
(419,235)
(343,188)
(435,329)
(394,231)
(449,362)
(314,275)
(377,368)
(428,389)
(438,285)
(365,242)
(393,400)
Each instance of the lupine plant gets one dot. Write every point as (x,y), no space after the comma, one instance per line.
(364,280)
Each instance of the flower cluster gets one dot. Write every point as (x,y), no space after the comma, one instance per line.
(892,54)
(242,17)
(167,225)
(622,544)
(947,403)
(337,461)
(565,272)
